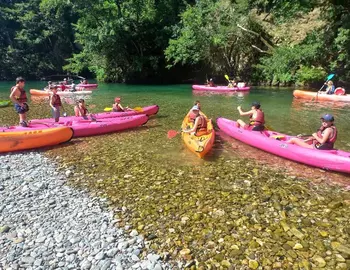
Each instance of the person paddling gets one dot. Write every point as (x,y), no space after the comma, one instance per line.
(55,104)
(323,139)
(257,118)
(117,107)
(19,98)
(200,124)
(330,88)
(210,83)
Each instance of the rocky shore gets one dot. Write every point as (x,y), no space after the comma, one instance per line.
(46,224)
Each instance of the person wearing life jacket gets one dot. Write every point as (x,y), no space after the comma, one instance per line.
(330,88)
(257,118)
(191,115)
(117,107)
(80,109)
(210,83)
(19,98)
(323,139)
(55,103)
(200,124)
(63,86)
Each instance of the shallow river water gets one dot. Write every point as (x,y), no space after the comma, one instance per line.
(238,208)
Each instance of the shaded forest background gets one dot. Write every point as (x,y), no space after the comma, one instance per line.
(275,42)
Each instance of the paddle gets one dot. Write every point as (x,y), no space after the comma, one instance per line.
(330,76)
(138,109)
(227,77)
(172,133)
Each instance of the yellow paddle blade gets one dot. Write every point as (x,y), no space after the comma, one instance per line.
(108,109)
(138,109)
(227,77)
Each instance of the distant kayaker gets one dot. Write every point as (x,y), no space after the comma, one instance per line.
(55,103)
(231,84)
(192,116)
(257,117)
(19,99)
(80,109)
(63,87)
(330,88)
(73,88)
(117,107)
(323,139)
(200,124)
(210,83)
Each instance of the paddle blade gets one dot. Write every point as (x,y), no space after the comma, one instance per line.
(108,109)
(138,109)
(227,77)
(268,127)
(330,76)
(172,134)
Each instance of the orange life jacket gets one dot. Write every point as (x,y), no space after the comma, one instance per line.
(329,144)
(258,120)
(23,96)
(202,125)
(57,100)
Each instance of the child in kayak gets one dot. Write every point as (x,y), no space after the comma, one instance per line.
(231,84)
(200,124)
(257,118)
(19,99)
(325,137)
(117,107)
(55,103)
(80,109)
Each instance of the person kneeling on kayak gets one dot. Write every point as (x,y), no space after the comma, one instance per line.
(80,109)
(117,107)
(191,115)
(257,118)
(200,124)
(325,137)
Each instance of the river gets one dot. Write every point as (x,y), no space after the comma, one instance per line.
(239,206)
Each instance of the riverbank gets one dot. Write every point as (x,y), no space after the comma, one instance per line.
(46,224)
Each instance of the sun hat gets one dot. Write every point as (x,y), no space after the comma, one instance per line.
(328,117)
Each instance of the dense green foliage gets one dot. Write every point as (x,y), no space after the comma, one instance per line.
(261,41)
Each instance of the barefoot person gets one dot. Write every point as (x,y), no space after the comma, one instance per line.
(325,137)
(257,118)
(19,98)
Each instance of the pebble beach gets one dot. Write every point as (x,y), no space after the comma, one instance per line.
(46,224)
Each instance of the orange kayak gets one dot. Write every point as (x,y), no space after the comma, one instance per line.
(320,97)
(200,145)
(22,140)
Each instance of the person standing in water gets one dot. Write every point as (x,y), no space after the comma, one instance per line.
(256,115)
(19,98)
(55,104)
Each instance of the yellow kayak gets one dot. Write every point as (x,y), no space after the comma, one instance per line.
(200,145)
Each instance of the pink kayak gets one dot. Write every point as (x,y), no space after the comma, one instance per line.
(149,110)
(84,128)
(275,143)
(219,88)
(81,85)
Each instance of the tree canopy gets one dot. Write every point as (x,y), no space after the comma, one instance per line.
(261,41)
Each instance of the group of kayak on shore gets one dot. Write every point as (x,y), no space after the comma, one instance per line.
(323,139)
(19,98)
